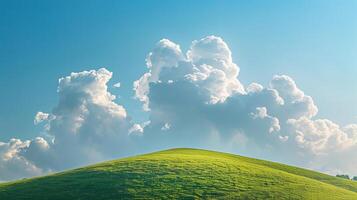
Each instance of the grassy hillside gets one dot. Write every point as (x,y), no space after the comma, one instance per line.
(184,174)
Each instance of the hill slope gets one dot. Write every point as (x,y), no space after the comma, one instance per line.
(183,173)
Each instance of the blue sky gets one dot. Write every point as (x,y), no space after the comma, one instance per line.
(315,42)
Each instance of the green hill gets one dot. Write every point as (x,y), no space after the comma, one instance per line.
(183,174)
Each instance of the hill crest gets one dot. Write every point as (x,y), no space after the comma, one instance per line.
(183,173)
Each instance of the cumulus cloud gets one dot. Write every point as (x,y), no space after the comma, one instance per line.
(166,55)
(12,164)
(203,87)
(86,126)
(322,136)
(261,112)
(325,145)
(200,96)
(193,99)
(213,68)
(297,104)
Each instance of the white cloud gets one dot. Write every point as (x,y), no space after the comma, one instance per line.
(166,54)
(261,112)
(323,136)
(138,128)
(141,88)
(204,96)
(296,102)
(213,68)
(117,85)
(195,96)
(87,125)
(254,88)
(201,94)
(166,127)
(12,164)
(40,117)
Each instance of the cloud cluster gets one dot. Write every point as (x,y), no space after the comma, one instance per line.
(12,164)
(322,136)
(193,99)
(199,95)
(86,126)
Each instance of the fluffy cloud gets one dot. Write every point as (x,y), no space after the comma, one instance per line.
(117,85)
(261,112)
(213,68)
(12,164)
(203,86)
(208,65)
(156,61)
(199,95)
(297,104)
(138,128)
(41,116)
(193,99)
(323,136)
(86,126)
(326,146)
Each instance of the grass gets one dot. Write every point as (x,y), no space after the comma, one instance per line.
(183,174)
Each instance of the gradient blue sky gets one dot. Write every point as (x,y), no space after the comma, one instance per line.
(315,42)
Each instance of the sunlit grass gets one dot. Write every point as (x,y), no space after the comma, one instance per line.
(184,174)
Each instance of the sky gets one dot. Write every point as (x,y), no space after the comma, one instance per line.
(310,45)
